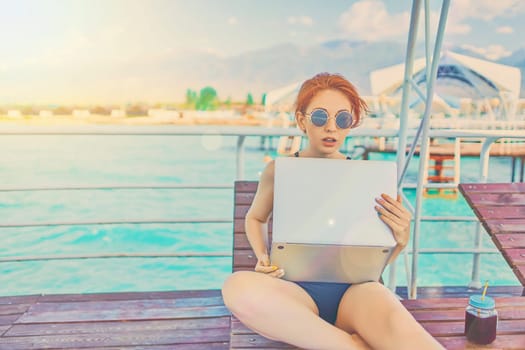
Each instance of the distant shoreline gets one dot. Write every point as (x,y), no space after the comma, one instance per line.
(95,119)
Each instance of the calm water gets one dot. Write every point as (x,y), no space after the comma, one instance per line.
(29,161)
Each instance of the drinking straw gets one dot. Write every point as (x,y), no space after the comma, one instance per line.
(485,290)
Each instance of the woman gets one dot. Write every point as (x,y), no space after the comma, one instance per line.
(322,315)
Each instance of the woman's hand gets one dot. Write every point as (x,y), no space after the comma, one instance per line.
(263,266)
(396,216)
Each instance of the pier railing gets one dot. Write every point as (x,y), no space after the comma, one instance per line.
(241,133)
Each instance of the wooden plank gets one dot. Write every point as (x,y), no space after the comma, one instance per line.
(519,271)
(244,258)
(129,295)
(240,240)
(459,314)
(507,342)
(203,346)
(115,314)
(3,329)
(470,188)
(18,299)
(512,240)
(77,341)
(240,211)
(126,304)
(7,309)
(497,212)
(244,198)
(246,186)
(250,341)
(117,326)
(457,328)
(517,256)
(459,292)
(496,199)
(451,303)
(8,319)
(498,226)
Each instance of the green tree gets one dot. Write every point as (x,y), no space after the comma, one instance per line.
(207,100)
(249,99)
(191,97)
(228,102)
(263,99)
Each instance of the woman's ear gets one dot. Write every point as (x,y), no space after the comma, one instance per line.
(299,117)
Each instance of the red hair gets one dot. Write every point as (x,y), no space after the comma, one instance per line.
(327,81)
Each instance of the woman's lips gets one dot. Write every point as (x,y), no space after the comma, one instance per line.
(329,141)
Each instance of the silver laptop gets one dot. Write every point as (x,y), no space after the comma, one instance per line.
(325,227)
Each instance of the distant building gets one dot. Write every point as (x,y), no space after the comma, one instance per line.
(81,113)
(163,114)
(14,113)
(46,114)
(118,113)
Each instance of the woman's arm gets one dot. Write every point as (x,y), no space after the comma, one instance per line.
(256,221)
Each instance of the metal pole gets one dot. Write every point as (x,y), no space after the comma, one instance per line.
(403,116)
(483,176)
(240,157)
(423,154)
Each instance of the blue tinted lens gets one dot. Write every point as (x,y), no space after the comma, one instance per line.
(319,117)
(344,120)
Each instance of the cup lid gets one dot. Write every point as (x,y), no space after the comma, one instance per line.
(485,303)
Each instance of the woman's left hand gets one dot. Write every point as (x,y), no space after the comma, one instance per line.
(396,216)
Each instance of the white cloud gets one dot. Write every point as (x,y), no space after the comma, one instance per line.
(370,20)
(455,26)
(486,9)
(232,20)
(304,20)
(492,52)
(505,30)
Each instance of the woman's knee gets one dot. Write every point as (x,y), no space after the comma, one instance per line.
(239,291)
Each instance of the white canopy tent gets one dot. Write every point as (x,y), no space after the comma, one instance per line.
(283,98)
(458,76)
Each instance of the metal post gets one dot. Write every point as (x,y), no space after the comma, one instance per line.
(423,154)
(240,157)
(483,177)
(403,116)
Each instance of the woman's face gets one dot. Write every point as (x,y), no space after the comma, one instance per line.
(326,140)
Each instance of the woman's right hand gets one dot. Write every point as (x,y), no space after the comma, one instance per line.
(263,266)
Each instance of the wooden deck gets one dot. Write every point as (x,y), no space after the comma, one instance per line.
(198,320)
(500,207)
(193,320)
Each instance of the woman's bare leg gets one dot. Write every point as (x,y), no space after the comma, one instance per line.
(375,313)
(283,311)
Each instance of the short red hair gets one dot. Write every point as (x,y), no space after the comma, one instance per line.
(327,81)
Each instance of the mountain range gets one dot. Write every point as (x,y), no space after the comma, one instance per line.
(263,70)
(167,76)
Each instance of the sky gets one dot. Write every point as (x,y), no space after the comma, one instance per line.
(40,36)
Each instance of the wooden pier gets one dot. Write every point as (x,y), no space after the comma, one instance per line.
(198,320)
(445,151)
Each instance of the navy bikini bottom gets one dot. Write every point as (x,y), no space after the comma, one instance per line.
(326,296)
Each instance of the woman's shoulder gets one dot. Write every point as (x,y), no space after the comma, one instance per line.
(269,171)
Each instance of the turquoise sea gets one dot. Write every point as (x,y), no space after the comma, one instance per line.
(64,161)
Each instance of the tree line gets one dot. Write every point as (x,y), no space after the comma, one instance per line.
(208,100)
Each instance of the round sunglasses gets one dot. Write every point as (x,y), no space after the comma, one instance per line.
(319,117)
